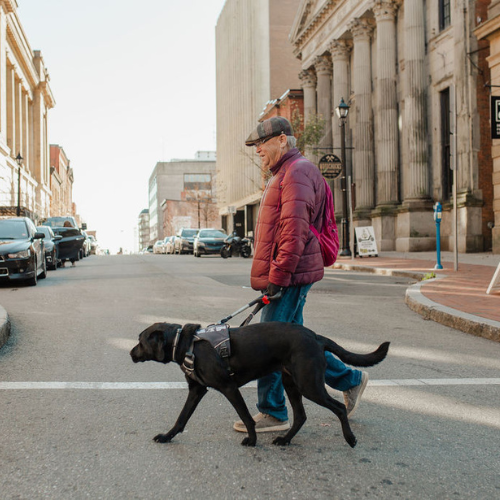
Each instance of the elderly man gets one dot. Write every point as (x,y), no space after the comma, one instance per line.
(287,259)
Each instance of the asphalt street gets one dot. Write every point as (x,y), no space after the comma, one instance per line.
(78,417)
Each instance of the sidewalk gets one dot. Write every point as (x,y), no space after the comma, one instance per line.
(454,298)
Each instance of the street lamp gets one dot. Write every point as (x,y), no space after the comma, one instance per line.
(19,159)
(342,111)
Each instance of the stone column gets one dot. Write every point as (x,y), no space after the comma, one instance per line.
(323,67)
(363,140)
(25,130)
(416,178)
(339,50)
(11,107)
(3,75)
(386,109)
(18,148)
(308,79)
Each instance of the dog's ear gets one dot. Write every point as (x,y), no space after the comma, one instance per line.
(190,329)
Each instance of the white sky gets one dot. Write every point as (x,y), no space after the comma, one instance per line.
(134,83)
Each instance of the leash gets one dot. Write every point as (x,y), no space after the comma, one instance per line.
(259,303)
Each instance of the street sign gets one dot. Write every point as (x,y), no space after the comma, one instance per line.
(495,117)
(330,166)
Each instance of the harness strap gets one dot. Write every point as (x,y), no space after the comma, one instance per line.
(188,364)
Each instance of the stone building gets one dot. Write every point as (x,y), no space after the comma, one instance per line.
(143,229)
(409,70)
(254,64)
(489,31)
(61,183)
(25,98)
(184,182)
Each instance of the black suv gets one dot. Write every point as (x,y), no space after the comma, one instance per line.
(22,253)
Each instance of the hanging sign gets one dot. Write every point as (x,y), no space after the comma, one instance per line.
(365,241)
(330,166)
(495,117)
(495,282)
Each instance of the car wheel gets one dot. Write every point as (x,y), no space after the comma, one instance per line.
(198,254)
(246,251)
(33,281)
(43,274)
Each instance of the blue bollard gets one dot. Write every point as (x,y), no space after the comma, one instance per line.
(438,211)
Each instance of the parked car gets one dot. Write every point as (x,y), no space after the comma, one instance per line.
(208,241)
(50,243)
(22,255)
(87,244)
(158,247)
(71,242)
(183,242)
(93,244)
(168,244)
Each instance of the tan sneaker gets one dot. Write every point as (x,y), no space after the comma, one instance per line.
(263,423)
(352,397)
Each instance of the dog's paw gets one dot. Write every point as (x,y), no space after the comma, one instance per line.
(162,438)
(281,441)
(351,440)
(249,442)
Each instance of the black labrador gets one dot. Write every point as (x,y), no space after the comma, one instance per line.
(256,351)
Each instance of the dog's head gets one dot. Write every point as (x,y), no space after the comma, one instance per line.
(156,342)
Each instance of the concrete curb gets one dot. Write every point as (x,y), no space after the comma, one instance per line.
(468,323)
(4,326)
(416,301)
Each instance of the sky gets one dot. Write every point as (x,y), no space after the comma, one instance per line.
(134,84)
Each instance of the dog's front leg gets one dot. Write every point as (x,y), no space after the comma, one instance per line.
(196,393)
(234,396)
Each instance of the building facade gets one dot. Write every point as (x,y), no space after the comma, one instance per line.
(143,229)
(489,31)
(61,183)
(25,99)
(181,181)
(254,65)
(411,73)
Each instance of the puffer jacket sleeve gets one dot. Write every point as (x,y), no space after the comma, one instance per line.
(297,207)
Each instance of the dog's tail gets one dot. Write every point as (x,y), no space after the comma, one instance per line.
(352,358)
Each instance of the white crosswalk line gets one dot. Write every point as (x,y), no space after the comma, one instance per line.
(183,385)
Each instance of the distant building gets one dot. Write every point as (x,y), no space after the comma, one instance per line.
(254,65)
(178,185)
(25,99)
(61,183)
(143,229)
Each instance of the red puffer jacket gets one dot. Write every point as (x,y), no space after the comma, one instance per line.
(286,252)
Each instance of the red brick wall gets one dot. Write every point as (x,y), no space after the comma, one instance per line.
(485,162)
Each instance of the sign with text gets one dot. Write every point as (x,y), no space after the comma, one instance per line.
(330,166)
(495,117)
(365,241)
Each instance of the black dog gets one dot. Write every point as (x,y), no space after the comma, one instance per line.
(256,350)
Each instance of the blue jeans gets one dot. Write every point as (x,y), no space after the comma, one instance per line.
(271,393)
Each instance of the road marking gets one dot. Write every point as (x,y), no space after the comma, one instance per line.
(183,385)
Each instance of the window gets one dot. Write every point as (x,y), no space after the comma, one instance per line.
(197,182)
(446,173)
(444,14)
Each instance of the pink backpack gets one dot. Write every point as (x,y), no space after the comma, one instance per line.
(328,237)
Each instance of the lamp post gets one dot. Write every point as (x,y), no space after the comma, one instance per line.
(19,159)
(342,111)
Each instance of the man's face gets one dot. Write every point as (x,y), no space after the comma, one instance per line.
(270,151)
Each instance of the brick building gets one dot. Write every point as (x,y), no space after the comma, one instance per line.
(177,186)
(61,183)
(488,33)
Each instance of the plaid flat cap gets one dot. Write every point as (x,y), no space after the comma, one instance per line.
(271,127)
